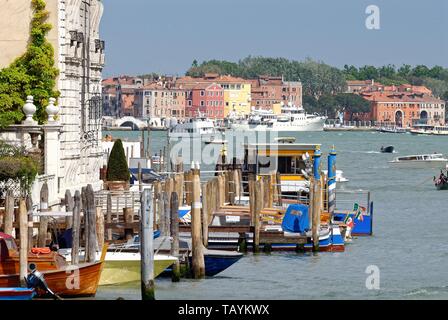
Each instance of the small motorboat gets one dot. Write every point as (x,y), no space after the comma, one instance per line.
(388,149)
(441,182)
(435,160)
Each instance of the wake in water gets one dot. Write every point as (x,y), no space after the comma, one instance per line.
(441,292)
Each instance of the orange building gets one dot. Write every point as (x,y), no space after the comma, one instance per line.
(405,109)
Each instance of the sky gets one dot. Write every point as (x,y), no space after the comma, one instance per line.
(165,36)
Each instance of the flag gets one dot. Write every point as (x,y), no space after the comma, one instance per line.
(359,211)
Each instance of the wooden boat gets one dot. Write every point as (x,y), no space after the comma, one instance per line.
(388,149)
(17,294)
(63,279)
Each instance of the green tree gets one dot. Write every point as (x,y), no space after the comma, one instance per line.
(117,166)
(33,73)
(352,103)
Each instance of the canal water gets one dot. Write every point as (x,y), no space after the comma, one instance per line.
(409,246)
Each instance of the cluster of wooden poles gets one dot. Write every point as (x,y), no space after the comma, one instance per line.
(21,219)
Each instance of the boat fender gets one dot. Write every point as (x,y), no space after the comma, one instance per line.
(40,250)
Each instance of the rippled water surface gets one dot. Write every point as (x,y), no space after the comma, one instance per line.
(410,242)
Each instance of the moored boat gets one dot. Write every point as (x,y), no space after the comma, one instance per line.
(63,279)
(17,293)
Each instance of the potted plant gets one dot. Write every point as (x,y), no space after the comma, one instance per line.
(117,176)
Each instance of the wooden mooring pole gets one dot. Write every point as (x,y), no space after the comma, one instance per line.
(29,207)
(43,226)
(76,228)
(91,213)
(9,212)
(147,246)
(109,215)
(69,204)
(196,225)
(174,230)
(23,251)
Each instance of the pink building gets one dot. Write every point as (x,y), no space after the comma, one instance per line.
(205,99)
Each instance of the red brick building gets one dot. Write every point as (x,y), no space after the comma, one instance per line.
(206,99)
(267,91)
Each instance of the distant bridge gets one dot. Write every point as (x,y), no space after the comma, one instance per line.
(130,122)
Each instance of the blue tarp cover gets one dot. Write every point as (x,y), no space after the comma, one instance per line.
(296,218)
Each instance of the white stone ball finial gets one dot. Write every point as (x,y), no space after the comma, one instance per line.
(52,110)
(29,109)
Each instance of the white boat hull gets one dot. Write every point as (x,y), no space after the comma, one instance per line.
(310,125)
(434,164)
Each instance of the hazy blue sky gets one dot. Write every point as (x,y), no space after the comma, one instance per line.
(165,36)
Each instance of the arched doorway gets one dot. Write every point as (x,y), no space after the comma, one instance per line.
(424,117)
(399,118)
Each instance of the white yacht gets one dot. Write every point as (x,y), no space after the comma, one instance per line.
(291,118)
(435,160)
(194,128)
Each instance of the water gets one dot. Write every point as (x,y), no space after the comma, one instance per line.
(409,245)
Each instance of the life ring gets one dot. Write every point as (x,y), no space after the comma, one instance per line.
(40,250)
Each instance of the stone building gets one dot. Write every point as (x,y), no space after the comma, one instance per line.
(158,102)
(72,145)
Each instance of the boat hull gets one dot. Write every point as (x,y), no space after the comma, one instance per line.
(442,186)
(419,164)
(122,271)
(16,294)
(312,125)
(216,262)
(70,281)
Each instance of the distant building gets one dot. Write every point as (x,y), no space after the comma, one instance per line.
(360,86)
(158,102)
(405,109)
(118,95)
(237,91)
(267,91)
(205,99)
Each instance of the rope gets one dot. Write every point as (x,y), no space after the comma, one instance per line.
(423,182)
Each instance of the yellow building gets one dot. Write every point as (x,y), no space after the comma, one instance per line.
(237,93)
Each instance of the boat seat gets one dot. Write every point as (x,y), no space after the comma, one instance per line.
(4,252)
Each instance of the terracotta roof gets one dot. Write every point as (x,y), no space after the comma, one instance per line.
(400,97)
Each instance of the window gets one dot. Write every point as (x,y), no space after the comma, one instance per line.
(189,102)
(202,103)
(238,86)
(202,93)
